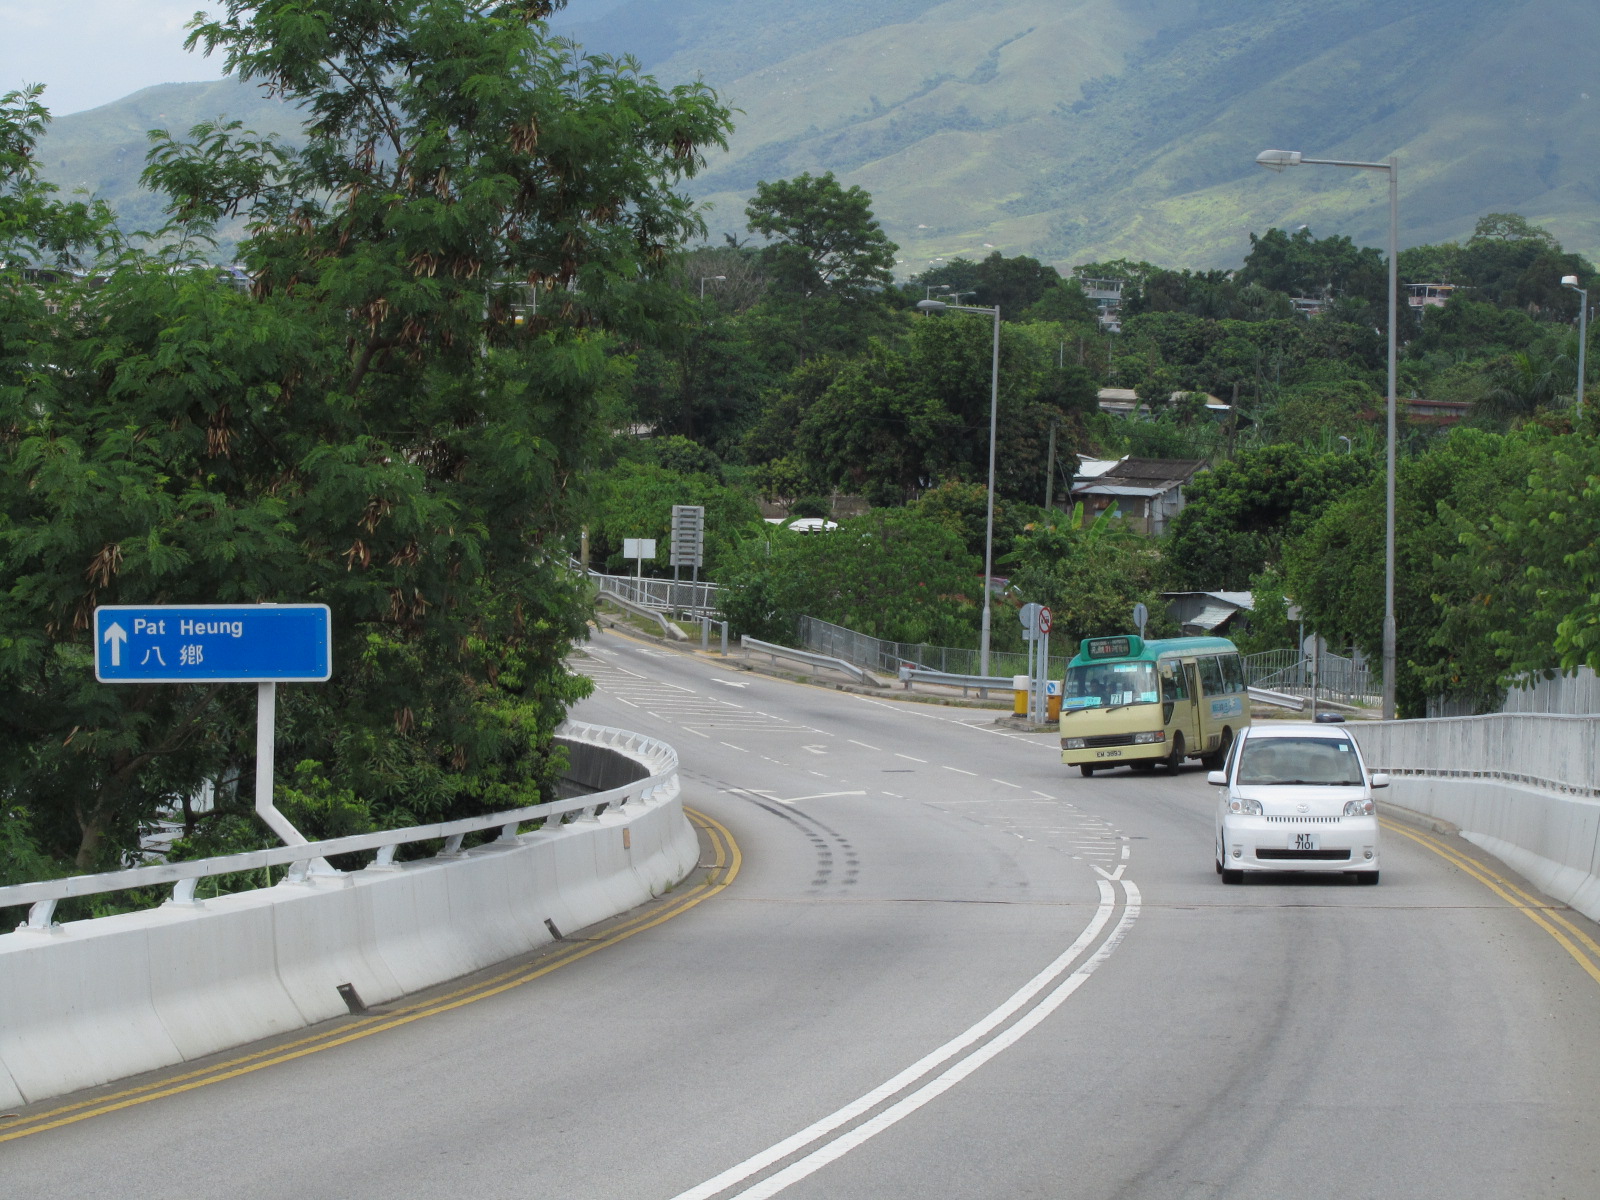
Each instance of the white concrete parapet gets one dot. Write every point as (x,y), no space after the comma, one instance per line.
(88,1002)
(1524,786)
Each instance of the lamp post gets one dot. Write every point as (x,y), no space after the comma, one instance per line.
(704,279)
(933,306)
(1277,160)
(1571,281)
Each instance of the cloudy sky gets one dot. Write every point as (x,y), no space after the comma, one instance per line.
(91,52)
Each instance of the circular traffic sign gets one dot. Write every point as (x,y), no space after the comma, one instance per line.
(1044,619)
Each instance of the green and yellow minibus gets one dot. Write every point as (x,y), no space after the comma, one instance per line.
(1135,702)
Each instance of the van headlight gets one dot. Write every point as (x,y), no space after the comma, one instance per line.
(1072,744)
(1146,739)
(1360,808)
(1247,808)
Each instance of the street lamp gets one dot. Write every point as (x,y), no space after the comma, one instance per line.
(934,306)
(1277,160)
(1571,281)
(704,279)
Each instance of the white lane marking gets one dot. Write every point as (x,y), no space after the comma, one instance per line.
(863,745)
(629,703)
(729,682)
(731,746)
(696,732)
(922,1067)
(1003,783)
(959,771)
(908,757)
(1114,875)
(815,749)
(1125,850)
(896,795)
(821,796)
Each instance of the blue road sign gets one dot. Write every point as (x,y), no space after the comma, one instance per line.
(213,643)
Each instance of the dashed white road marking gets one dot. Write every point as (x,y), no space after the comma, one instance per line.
(908,757)
(959,771)
(864,746)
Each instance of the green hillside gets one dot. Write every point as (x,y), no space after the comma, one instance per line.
(1082,129)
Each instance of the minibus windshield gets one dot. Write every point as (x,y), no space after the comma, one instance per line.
(1111,685)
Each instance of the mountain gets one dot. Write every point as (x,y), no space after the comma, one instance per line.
(1086,129)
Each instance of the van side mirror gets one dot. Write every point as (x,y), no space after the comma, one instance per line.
(1380,779)
(1221,778)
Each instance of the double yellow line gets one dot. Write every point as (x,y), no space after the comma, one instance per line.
(1549,917)
(722,871)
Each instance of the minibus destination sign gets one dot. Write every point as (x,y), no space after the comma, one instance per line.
(1112,647)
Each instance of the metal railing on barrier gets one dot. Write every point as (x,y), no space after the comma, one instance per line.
(660,758)
(1542,750)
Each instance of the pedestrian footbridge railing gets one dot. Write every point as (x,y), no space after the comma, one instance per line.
(654,762)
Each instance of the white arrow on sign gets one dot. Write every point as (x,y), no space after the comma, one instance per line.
(116,635)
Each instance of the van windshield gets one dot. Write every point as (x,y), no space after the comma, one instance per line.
(1111,685)
(1295,760)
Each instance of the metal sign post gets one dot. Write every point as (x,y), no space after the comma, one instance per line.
(688,538)
(1045,620)
(639,549)
(264,644)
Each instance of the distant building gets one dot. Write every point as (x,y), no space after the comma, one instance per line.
(1146,491)
(1430,295)
(1125,402)
(1200,614)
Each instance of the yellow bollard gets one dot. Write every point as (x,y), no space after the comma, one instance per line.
(1019,705)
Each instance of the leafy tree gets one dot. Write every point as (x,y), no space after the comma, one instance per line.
(892,574)
(1238,517)
(1300,264)
(367,427)
(635,499)
(1451,594)
(823,237)
(1089,573)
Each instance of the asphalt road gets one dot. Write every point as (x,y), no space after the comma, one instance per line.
(946,967)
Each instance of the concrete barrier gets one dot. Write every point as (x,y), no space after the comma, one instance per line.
(1525,787)
(89,1002)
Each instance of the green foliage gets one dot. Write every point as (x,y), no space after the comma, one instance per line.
(635,500)
(1089,573)
(1452,599)
(1239,516)
(1300,264)
(892,574)
(822,237)
(366,427)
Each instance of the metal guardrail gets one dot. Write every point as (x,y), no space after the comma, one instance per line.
(662,760)
(776,652)
(910,674)
(668,629)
